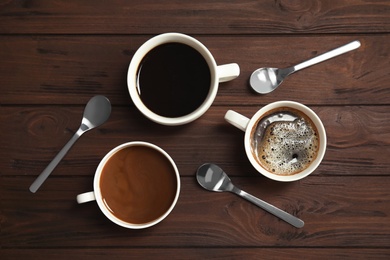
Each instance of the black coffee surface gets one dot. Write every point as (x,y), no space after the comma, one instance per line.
(173,80)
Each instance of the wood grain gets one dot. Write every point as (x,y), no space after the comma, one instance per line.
(70,69)
(358,140)
(200,253)
(200,17)
(55,55)
(346,212)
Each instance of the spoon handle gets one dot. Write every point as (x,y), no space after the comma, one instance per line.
(328,55)
(47,171)
(296,222)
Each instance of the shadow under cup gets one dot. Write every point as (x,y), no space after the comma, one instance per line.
(136,185)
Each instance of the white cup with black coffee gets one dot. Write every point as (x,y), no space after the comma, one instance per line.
(284,140)
(136,185)
(173,78)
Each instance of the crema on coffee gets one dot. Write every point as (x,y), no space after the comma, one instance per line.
(285,147)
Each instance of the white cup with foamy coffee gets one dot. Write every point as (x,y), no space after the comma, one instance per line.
(173,78)
(284,140)
(136,185)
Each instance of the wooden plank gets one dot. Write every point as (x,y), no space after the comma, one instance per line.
(55,55)
(198,253)
(200,17)
(358,140)
(71,69)
(339,212)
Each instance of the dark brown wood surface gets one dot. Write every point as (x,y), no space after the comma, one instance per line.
(56,55)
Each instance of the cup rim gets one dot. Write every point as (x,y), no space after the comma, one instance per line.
(140,54)
(97,192)
(318,124)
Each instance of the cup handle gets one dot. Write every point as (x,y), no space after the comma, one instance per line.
(236,119)
(86,197)
(228,72)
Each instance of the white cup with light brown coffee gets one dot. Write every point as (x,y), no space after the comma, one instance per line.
(136,185)
(284,141)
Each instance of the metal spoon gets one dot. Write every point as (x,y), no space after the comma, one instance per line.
(213,178)
(96,112)
(266,80)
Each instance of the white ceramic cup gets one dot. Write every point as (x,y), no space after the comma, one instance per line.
(248,125)
(96,193)
(219,73)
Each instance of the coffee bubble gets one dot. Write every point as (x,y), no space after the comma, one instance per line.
(286,146)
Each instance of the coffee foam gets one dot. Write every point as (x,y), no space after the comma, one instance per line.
(287,148)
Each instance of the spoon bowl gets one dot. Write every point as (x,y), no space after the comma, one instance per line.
(213,178)
(96,112)
(266,80)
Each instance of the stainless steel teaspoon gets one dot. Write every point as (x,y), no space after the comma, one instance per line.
(96,112)
(266,80)
(213,178)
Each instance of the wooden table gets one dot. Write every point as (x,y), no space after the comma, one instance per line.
(56,55)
